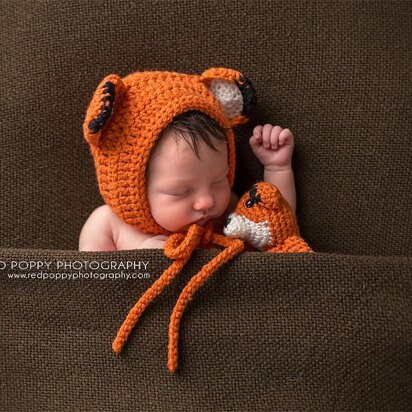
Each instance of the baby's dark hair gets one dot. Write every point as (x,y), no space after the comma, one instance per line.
(193,126)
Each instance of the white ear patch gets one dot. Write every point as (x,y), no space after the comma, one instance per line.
(228,95)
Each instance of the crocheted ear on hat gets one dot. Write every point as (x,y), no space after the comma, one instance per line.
(234,92)
(102,107)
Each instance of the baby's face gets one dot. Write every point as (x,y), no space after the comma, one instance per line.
(183,189)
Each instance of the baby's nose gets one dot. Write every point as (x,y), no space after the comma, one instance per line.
(204,202)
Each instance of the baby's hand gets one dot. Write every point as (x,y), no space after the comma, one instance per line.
(273,146)
(155,242)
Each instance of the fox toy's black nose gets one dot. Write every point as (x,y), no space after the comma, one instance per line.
(227,221)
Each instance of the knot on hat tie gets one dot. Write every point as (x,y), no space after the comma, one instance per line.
(179,247)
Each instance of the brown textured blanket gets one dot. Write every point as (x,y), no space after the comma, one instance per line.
(266,332)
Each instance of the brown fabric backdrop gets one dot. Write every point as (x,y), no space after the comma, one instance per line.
(336,73)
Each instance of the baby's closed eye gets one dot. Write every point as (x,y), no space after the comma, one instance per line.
(183,192)
(179,192)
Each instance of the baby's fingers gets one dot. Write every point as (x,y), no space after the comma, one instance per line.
(266,133)
(274,137)
(256,139)
(257,133)
(285,137)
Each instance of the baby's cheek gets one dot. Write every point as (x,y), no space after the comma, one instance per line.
(171,213)
(158,207)
(224,198)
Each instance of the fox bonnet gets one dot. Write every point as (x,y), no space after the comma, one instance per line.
(126,116)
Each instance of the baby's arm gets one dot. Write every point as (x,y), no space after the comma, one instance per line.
(273,146)
(285,182)
(97,232)
(105,231)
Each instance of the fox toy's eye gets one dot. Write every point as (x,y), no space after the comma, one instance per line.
(264,194)
(254,197)
(252,201)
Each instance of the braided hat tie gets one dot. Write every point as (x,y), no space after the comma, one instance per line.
(179,247)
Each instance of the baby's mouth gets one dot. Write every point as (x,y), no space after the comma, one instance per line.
(203,220)
(200,222)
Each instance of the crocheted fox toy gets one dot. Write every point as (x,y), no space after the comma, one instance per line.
(264,219)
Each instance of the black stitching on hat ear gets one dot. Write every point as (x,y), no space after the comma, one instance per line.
(249,95)
(105,111)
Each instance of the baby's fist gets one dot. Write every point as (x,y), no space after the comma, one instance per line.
(273,146)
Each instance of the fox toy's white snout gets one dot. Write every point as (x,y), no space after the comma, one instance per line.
(256,234)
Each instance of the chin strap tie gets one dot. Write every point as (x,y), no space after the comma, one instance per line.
(179,247)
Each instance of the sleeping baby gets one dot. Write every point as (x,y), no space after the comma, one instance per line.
(164,152)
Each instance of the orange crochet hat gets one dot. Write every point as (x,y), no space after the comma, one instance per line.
(126,116)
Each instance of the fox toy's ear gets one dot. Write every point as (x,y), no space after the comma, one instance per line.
(233,91)
(102,107)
